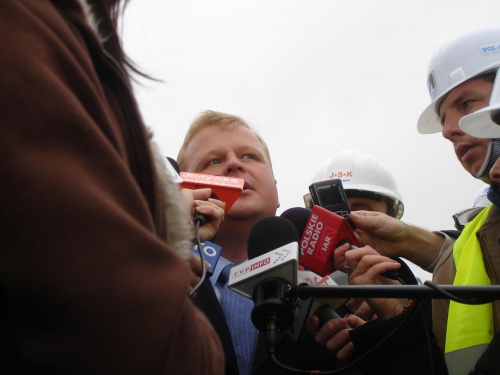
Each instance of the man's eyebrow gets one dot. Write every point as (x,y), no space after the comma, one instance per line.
(454,103)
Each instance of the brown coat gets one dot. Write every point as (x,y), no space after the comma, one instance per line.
(444,273)
(87,284)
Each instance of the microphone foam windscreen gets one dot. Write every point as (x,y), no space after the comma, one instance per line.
(270,233)
(298,216)
(174,164)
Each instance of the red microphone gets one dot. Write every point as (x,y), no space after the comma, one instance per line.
(323,233)
(224,188)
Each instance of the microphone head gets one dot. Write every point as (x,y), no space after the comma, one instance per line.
(174,164)
(298,216)
(173,169)
(270,233)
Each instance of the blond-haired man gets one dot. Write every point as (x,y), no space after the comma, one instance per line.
(223,144)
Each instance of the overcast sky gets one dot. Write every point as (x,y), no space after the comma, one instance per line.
(313,77)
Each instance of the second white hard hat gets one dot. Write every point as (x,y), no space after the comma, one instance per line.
(485,123)
(363,173)
(457,61)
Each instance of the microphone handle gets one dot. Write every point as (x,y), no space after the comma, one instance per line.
(326,313)
(202,218)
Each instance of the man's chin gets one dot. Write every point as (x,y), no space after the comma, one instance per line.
(239,213)
(470,168)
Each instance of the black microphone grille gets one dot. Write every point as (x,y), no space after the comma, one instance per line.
(270,233)
(298,216)
(174,164)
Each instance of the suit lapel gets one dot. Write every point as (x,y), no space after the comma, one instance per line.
(206,301)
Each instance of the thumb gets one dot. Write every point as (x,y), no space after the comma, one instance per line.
(364,219)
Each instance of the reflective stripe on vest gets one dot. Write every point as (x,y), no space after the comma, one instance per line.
(470,327)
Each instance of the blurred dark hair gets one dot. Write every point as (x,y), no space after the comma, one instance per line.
(108,13)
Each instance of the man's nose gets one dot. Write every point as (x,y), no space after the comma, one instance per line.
(233,165)
(451,128)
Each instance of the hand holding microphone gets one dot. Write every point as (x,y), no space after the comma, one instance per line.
(210,211)
(367,265)
(334,336)
(199,191)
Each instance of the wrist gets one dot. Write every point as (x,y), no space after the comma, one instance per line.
(423,246)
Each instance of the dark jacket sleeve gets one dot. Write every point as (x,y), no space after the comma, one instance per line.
(87,286)
(489,363)
(403,344)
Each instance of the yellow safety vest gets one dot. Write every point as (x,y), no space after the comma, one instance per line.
(470,327)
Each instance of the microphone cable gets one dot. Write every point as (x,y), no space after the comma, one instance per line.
(406,317)
(450,296)
(199,220)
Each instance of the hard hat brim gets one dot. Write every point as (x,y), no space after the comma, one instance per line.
(480,125)
(429,122)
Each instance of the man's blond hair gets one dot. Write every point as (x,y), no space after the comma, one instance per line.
(221,120)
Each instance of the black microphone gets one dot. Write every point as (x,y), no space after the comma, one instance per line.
(268,234)
(174,164)
(270,273)
(274,305)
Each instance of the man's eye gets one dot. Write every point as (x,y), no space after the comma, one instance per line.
(214,162)
(470,106)
(248,156)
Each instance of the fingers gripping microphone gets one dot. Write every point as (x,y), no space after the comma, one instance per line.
(224,188)
(174,170)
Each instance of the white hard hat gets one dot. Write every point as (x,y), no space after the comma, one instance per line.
(485,123)
(363,173)
(457,61)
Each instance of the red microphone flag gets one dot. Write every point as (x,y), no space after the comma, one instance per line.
(227,189)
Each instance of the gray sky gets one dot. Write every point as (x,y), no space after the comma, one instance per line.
(313,77)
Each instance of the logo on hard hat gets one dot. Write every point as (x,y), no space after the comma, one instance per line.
(340,174)
(490,48)
(346,176)
(431,85)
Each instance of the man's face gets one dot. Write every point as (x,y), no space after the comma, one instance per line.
(237,153)
(366,204)
(461,101)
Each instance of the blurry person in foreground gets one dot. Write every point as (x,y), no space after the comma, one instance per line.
(96,239)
